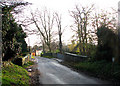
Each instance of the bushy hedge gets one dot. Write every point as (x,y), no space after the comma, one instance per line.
(100,68)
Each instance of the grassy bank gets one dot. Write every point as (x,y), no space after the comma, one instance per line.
(28,64)
(100,69)
(14,75)
(49,57)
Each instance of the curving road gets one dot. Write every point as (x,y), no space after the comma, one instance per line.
(54,73)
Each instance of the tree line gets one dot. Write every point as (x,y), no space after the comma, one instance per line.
(95,33)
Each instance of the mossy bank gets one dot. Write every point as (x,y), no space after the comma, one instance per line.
(14,75)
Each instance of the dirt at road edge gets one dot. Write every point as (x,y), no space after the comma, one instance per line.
(34,75)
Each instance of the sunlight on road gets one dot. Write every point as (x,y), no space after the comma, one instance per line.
(56,79)
(56,64)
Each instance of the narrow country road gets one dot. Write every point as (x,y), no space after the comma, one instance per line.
(54,73)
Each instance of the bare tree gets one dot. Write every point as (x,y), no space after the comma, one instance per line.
(58,21)
(104,18)
(109,20)
(45,26)
(81,17)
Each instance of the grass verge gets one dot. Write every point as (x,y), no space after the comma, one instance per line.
(99,69)
(28,64)
(14,75)
(49,57)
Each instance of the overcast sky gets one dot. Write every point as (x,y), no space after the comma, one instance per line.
(64,6)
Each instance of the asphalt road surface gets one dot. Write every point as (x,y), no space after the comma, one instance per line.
(53,72)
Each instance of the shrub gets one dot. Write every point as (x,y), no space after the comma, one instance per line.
(100,68)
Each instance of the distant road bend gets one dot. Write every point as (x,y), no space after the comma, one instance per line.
(54,73)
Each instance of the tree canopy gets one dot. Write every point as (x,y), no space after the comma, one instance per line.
(107,43)
(13,42)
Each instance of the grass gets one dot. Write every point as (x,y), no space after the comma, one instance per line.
(0,76)
(14,75)
(100,69)
(32,57)
(49,57)
(28,64)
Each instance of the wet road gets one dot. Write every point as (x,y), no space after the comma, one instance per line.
(54,73)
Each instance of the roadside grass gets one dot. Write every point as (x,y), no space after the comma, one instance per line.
(101,69)
(32,57)
(14,75)
(0,76)
(49,57)
(28,64)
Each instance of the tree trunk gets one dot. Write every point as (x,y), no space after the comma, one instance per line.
(60,43)
(49,47)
